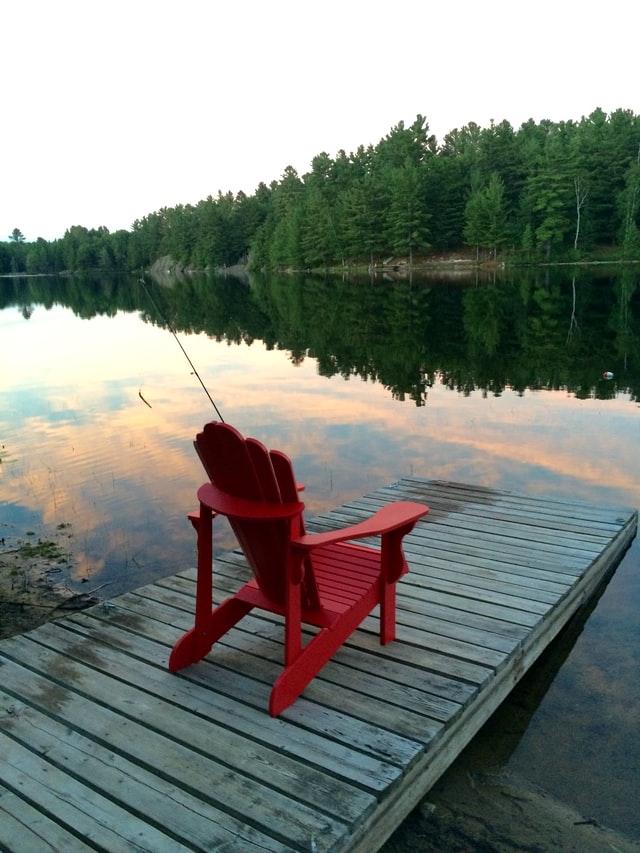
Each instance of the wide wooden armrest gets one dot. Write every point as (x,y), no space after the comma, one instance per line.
(387,519)
(226,504)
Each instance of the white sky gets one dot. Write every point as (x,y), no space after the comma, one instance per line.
(114,110)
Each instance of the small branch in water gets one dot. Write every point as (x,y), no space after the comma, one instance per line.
(82,599)
(143,400)
(96,588)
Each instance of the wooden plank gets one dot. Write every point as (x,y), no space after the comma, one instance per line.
(78,807)
(24,828)
(409,588)
(550,540)
(78,637)
(459,669)
(105,770)
(107,749)
(411,597)
(465,494)
(494,538)
(454,503)
(503,582)
(158,724)
(136,735)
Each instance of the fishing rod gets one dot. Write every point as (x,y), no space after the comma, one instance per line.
(175,335)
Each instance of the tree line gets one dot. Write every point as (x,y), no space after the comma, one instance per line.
(547,191)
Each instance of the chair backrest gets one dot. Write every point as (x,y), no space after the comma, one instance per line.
(244,468)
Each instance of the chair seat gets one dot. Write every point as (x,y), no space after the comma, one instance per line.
(346,575)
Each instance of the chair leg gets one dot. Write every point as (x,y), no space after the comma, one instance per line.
(295,677)
(210,624)
(292,623)
(387,612)
(392,566)
(317,652)
(197,643)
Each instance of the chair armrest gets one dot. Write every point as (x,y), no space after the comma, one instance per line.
(389,518)
(226,504)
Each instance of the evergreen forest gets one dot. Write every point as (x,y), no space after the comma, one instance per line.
(547,192)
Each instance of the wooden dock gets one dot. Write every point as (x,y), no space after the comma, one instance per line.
(103,749)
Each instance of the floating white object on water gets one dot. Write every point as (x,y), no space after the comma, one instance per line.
(607,375)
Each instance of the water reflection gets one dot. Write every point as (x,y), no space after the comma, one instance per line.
(361,382)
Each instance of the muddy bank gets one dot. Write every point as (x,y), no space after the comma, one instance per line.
(35,579)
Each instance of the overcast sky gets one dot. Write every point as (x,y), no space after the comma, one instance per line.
(112,110)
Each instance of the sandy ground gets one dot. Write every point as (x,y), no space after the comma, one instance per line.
(476,807)
(468,811)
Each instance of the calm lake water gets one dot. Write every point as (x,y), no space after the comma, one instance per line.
(499,384)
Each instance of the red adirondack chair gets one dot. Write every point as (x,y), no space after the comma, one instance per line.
(319,579)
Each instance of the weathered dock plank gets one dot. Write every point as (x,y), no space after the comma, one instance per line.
(103,748)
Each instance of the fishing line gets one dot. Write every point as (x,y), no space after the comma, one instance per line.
(175,335)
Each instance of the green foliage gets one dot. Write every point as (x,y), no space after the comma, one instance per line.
(549,190)
(629,210)
(407,216)
(485,216)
